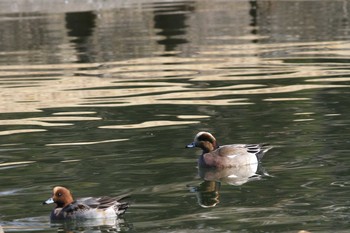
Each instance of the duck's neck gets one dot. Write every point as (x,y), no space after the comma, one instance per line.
(62,204)
(215,145)
(210,147)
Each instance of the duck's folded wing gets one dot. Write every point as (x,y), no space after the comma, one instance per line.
(258,149)
(104,202)
(88,201)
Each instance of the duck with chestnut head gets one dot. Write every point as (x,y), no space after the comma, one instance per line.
(234,155)
(84,208)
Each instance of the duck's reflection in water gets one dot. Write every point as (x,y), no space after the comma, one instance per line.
(92,225)
(208,192)
(233,175)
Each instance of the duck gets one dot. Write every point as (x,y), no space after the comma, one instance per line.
(67,208)
(226,156)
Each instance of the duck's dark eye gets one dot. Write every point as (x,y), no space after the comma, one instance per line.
(59,194)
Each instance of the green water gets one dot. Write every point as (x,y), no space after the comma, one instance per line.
(103,96)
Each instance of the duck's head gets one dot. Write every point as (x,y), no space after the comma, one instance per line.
(204,140)
(61,196)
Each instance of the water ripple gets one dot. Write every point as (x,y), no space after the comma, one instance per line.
(149,124)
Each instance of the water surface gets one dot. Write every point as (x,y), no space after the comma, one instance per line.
(103,96)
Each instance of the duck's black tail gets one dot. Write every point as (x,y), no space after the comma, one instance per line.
(122,206)
(263,148)
(258,149)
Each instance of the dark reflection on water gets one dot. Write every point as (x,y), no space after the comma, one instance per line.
(208,192)
(80,27)
(171,21)
(101,96)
